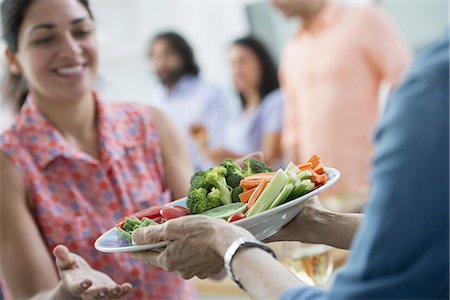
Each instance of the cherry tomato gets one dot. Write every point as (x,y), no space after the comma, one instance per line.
(173,212)
(235,217)
(151,213)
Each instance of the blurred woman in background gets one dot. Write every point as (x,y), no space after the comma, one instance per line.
(73,164)
(258,125)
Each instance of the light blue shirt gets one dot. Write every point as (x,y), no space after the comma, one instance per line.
(402,248)
(245,132)
(195,101)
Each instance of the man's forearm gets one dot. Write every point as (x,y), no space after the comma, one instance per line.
(334,229)
(262,276)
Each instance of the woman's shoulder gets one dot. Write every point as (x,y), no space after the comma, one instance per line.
(273,99)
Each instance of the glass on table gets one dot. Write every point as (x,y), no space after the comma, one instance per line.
(312,264)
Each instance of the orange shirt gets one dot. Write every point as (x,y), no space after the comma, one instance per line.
(331,74)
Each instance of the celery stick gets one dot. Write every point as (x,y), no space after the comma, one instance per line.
(226,211)
(147,222)
(133,221)
(291,168)
(304,175)
(124,234)
(128,227)
(283,195)
(269,195)
(302,188)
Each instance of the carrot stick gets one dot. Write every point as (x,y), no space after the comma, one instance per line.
(305,166)
(323,178)
(256,193)
(315,160)
(252,183)
(318,179)
(245,196)
(260,175)
(320,169)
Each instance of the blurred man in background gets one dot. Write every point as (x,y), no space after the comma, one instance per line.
(196,106)
(331,71)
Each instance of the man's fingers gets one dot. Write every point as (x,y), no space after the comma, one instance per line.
(150,257)
(64,259)
(150,234)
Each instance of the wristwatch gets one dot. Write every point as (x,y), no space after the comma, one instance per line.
(235,247)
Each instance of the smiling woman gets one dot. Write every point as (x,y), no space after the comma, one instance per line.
(40,36)
(72,164)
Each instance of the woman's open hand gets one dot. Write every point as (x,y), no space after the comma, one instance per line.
(81,281)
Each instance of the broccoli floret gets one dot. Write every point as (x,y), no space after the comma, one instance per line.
(234,179)
(235,194)
(214,198)
(195,198)
(255,166)
(216,177)
(198,180)
(234,173)
(199,200)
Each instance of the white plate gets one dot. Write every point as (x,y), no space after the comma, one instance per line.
(262,225)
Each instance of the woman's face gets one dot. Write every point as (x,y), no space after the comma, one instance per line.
(245,68)
(57,50)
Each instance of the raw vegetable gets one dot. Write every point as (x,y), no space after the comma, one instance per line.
(131,224)
(150,213)
(236,217)
(305,166)
(272,190)
(234,172)
(248,184)
(173,212)
(235,194)
(208,189)
(283,196)
(255,166)
(245,196)
(293,169)
(226,211)
(302,188)
(255,195)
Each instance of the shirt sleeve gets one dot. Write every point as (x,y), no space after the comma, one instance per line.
(289,133)
(217,113)
(384,45)
(401,250)
(272,112)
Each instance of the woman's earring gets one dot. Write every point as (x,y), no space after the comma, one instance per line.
(14,69)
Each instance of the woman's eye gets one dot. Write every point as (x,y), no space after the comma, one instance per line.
(82,33)
(44,41)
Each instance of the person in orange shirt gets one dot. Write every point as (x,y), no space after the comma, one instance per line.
(331,71)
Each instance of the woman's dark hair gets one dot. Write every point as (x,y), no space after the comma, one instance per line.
(182,48)
(269,75)
(14,88)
